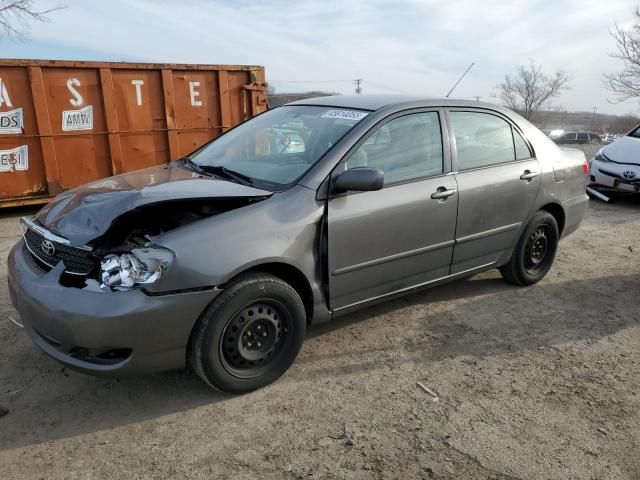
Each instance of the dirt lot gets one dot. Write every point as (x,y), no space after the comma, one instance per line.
(533,383)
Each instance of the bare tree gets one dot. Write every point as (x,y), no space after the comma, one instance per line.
(626,84)
(623,123)
(530,89)
(15,16)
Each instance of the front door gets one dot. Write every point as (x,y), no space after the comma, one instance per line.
(389,240)
(498,181)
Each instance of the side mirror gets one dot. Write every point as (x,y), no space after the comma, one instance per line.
(360,179)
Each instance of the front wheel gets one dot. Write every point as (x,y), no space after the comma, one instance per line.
(535,251)
(250,335)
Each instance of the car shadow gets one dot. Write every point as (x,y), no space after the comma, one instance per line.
(490,317)
(483,284)
(626,200)
(479,316)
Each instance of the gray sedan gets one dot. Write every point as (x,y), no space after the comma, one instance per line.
(297,216)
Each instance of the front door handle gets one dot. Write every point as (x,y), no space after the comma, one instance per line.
(528,175)
(442,193)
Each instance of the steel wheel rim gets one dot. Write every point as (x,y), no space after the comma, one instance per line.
(253,339)
(536,252)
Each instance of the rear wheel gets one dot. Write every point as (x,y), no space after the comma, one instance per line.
(250,335)
(534,254)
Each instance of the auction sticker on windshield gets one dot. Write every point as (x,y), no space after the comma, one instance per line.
(346,114)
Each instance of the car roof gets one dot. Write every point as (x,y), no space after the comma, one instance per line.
(376,102)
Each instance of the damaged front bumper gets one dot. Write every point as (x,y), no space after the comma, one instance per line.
(102,332)
(620,176)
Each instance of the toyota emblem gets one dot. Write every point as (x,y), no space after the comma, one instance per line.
(47,248)
(629,174)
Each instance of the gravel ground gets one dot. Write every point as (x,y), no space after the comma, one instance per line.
(533,383)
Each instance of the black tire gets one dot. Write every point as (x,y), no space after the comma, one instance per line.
(535,251)
(249,335)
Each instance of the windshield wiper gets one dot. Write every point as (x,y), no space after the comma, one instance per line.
(219,171)
(224,172)
(193,165)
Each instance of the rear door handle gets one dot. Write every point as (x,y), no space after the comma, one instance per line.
(442,193)
(528,175)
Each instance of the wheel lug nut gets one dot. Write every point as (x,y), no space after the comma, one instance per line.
(264,334)
(249,344)
(259,344)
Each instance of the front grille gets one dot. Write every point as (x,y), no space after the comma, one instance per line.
(620,177)
(76,260)
(610,174)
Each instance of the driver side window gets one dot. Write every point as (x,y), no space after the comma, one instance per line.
(405,148)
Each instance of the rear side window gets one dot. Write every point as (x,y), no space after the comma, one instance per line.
(583,137)
(522,149)
(483,139)
(405,148)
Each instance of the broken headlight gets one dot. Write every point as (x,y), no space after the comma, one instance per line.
(601,157)
(140,266)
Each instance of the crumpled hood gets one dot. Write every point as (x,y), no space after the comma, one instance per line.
(624,150)
(85,213)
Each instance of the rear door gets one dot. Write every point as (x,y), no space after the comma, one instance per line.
(389,240)
(498,180)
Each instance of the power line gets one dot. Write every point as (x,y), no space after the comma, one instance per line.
(311,81)
(386,87)
(360,80)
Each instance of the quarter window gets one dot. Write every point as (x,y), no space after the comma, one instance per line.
(405,148)
(483,139)
(522,149)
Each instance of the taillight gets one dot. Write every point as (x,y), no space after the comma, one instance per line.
(585,167)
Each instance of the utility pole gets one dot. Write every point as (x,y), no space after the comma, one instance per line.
(478,98)
(593,119)
(357,83)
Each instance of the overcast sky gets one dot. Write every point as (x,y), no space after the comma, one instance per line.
(398,46)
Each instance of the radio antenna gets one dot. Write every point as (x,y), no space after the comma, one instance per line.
(460,79)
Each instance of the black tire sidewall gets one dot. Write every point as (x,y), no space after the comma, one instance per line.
(539,219)
(238,296)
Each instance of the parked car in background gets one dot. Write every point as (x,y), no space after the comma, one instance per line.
(618,164)
(553,133)
(579,138)
(608,138)
(556,133)
(299,215)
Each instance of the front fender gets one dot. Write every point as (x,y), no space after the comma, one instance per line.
(281,229)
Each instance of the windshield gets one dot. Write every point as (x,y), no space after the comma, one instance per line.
(635,132)
(276,148)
